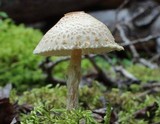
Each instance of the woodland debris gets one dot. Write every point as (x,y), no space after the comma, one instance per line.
(98,117)
(119,69)
(126,74)
(99,114)
(5,92)
(24,108)
(47,67)
(127,41)
(147,112)
(135,54)
(102,77)
(148,63)
(152,91)
(58,61)
(149,38)
(156,58)
(150,85)
(142,20)
(158,43)
(7,112)
(101,111)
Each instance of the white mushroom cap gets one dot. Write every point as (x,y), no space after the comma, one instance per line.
(77,30)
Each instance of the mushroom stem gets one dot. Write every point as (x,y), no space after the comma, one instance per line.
(74,76)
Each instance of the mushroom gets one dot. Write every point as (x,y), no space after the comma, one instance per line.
(76,34)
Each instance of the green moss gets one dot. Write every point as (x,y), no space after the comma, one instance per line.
(42,114)
(91,96)
(128,103)
(56,97)
(143,73)
(49,104)
(156,118)
(18,65)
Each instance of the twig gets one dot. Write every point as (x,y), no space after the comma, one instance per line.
(149,86)
(148,63)
(127,41)
(147,17)
(141,40)
(53,64)
(121,7)
(117,12)
(143,113)
(142,11)
(154,58)
(119,69)
(101,111)
(148,92)
(47,67)
(101,75)
(105,57)
(125,73)
(133,49)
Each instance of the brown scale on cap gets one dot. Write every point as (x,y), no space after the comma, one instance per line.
(77,27)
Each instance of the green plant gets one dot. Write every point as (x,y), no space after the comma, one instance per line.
(3,15)
(91,95)
(156,119)
(48,103)
(43,114)
(56,97)
(18,65)
(127,103)
(143,73)
(108,114)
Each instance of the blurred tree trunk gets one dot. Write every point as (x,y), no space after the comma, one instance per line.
(30,11)
(112,3)
(39,10)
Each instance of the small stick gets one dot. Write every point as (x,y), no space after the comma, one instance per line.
(148,63)
(133,49)
(101,75)
(127,41)
(125,73)
(149,86)
(141,40)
